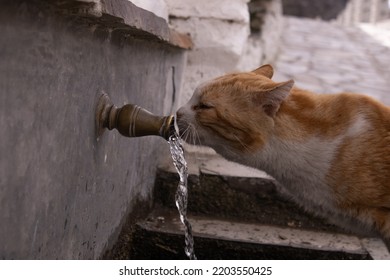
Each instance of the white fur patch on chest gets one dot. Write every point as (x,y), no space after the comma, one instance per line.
(302,166)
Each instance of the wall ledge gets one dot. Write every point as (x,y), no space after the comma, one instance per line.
(124,18)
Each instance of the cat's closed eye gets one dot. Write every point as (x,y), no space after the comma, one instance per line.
(202,106)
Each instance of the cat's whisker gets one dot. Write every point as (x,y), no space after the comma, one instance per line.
(245,146)
(191,137)
(184,134)
(196,136)
(189,134)
(197,139)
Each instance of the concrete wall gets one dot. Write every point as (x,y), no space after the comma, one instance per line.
(63,194)
(222,37)
(219,32)
(266,21)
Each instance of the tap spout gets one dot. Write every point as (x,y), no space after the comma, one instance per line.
(131,120)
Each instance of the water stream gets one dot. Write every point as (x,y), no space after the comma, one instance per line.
(181,196)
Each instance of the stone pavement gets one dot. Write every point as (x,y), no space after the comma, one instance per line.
(327,58)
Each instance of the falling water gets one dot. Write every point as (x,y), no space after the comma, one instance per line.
(181,196)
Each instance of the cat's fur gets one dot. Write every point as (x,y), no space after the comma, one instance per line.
(330,152)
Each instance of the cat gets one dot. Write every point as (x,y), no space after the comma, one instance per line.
(329,152)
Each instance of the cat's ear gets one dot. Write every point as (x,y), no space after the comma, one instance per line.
(265,70)
(272,99)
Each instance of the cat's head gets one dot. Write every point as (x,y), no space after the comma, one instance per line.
(235,111)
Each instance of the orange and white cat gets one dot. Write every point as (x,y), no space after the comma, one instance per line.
(330,152)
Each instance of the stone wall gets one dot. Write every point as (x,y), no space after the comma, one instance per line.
(219,33)
(223,38)
(65,194)
(266,23)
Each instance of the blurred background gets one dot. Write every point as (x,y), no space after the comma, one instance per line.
(241,35)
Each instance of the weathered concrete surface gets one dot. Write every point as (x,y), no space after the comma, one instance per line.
(266,23)
(238,198)
(219,30)
(161,236)
(242,217)
(223,38)
(63,194)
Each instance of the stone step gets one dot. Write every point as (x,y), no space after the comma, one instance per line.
(239,213)
(161,236)
(223,189)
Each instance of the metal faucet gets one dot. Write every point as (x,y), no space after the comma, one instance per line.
(131,120)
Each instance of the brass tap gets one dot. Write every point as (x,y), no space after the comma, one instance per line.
(131,120)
